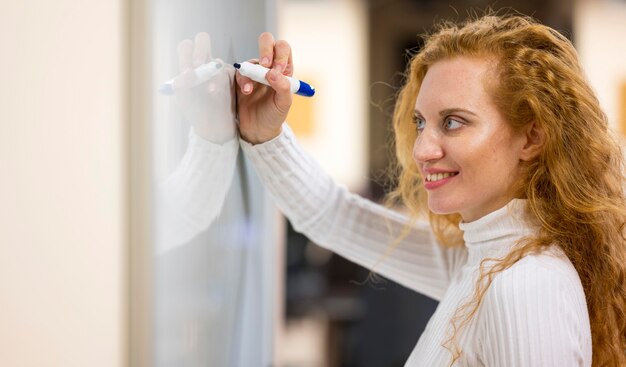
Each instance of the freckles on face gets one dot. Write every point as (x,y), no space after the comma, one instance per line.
(465,150)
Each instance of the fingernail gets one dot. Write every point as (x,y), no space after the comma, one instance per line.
(265,61)
(279,68)
(247,88)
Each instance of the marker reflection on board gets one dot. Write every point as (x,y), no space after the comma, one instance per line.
(203,73)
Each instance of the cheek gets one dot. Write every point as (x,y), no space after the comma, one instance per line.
(480,143)
(486,157)
(414,150)
(475,154)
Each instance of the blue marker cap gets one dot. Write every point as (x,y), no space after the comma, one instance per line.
(305,90)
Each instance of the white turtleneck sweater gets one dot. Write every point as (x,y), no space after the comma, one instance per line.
(533,314)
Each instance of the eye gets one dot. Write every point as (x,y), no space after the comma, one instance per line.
(419,122)
(452,124)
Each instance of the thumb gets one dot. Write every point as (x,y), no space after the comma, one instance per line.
(281,85)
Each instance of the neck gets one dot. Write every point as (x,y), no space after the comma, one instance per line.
(494,234)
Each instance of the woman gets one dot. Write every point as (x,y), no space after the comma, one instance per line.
(502,144)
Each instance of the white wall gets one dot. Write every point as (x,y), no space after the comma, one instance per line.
(63,183)
(329,42)
(600,29)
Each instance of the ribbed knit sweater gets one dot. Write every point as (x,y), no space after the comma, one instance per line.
(533,314)
(193,194)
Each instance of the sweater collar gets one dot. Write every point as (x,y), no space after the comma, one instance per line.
(494,234)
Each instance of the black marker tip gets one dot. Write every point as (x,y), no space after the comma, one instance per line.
(237,66)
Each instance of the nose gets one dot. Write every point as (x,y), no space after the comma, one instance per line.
(427,147)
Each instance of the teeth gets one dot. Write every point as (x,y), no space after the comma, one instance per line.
(438,176)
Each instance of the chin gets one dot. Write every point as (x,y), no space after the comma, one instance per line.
(442,208)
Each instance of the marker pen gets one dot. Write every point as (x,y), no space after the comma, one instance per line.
(203,73)
(257,73)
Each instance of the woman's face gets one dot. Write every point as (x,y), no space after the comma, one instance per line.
(468,155)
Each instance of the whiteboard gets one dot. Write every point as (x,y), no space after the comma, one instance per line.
(214,244)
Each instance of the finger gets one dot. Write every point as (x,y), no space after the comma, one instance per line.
(281,85)
(266,49)
(289,68)
(185,49)
(202,49)
(245,84)
(282,52)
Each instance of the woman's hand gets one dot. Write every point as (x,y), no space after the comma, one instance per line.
(262,109)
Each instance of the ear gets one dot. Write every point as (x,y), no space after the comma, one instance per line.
(535,138)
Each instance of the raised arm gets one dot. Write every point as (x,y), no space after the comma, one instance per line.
(348,224)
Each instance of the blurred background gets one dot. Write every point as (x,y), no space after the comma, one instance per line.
(86,142)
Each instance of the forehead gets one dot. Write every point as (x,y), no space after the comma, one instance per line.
(456,82)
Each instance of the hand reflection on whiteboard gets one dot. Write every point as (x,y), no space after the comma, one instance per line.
(192,196)
(209,106)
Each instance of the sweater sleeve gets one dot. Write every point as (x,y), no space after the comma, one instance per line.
(347,224)
(535,314)
(192,196)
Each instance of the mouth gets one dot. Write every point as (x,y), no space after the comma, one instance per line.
(434,177)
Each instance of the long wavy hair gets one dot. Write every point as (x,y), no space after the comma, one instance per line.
(574,187)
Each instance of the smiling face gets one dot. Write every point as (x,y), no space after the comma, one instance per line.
(467,153)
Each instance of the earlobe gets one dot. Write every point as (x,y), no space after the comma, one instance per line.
(535,138)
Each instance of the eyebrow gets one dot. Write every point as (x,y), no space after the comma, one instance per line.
(448,111)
